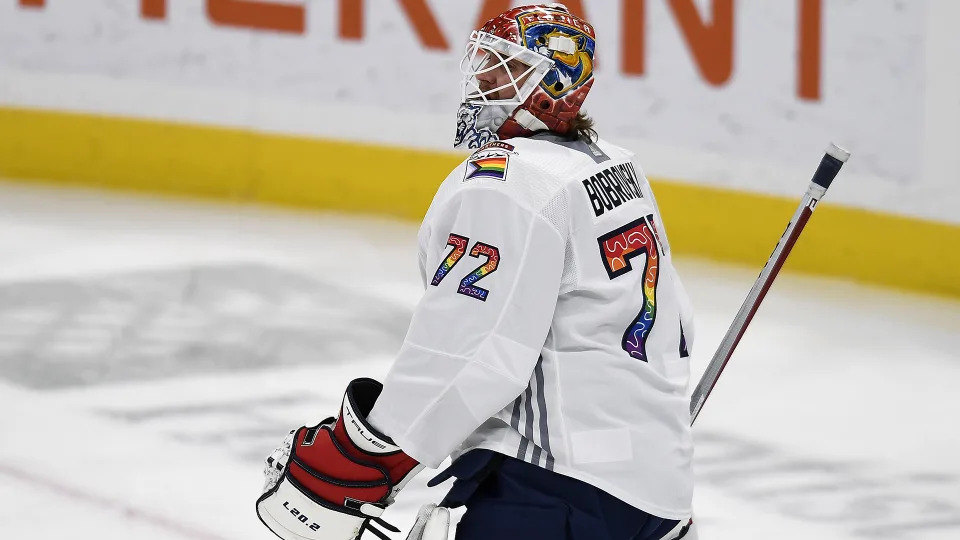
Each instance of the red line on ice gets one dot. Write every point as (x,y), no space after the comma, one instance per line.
(128,512)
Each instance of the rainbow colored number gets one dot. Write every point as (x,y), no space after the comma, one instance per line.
(459,244)
(468,284)
(617,249)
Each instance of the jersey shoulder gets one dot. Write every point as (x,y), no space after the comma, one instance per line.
(526,173)
(620,154)
(532,171)
(614,151)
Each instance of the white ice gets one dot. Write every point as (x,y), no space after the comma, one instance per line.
(836,419)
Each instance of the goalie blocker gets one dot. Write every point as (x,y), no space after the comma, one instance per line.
(333,481)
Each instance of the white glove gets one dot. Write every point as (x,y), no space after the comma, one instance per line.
(433,523)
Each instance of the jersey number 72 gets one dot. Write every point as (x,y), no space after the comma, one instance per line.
(468,285)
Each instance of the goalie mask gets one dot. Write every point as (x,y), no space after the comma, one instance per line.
(527,70)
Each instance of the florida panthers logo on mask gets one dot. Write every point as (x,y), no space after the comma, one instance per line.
(471,131)
(571,69)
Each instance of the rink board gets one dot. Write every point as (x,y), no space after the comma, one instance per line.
(248,166)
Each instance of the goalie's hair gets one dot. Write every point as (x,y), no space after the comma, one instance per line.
(582,127)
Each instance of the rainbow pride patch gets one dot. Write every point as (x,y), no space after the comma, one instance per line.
(487,165)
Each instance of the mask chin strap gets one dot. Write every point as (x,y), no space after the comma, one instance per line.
(528,121)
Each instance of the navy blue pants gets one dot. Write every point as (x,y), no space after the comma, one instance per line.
(508,499)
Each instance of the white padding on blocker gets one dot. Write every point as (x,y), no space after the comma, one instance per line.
(291,515)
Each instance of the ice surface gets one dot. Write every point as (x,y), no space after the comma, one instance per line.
(152,352)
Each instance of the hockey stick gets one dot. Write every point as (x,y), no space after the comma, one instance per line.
(830,165)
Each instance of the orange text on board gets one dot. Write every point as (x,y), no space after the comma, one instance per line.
(711,44)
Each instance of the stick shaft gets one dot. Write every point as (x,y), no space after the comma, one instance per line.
(826,172)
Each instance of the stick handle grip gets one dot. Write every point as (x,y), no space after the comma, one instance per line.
(833,159)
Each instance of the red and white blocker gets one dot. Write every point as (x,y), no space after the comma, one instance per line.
(332,481)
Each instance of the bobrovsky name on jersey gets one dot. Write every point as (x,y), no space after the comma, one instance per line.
(612,187)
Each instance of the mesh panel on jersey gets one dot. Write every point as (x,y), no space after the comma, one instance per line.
(535,187)
(557,212)
(571,275)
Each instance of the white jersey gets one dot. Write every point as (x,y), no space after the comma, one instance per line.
(554,327)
